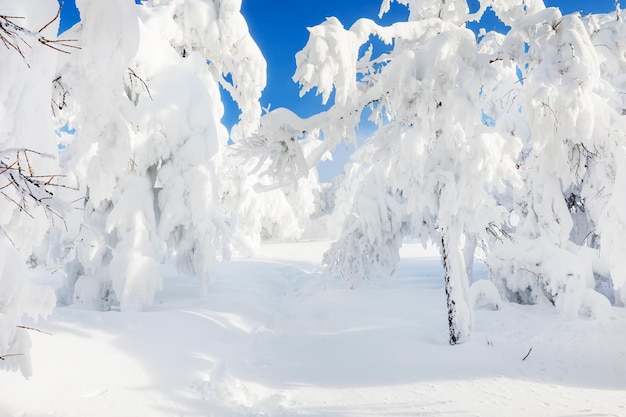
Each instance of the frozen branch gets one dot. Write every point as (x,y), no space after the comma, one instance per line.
(528,354)
(21,186)
(14,36)
(61,91)
(33,329)
(134,78)
(3,357)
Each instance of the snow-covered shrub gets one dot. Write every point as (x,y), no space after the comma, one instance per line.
(483,293)
(272,187)
(259,209)
(18,298)
(256,215)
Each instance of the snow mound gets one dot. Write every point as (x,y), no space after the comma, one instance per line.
(483,293)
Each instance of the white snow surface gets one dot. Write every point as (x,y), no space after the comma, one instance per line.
(273,338)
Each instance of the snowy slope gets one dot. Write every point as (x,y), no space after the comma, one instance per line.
(274,339)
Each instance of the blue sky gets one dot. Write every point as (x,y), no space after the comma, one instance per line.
(279,28)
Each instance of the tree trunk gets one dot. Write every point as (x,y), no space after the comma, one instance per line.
(456,286)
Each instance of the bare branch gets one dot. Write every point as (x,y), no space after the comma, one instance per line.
(20,185)
(528,354)
(8,237)
(52,21)
(132,75)
(14,35)
(33,329)
(61,42)
(3,357)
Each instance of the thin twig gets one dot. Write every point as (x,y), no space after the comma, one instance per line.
(529,350)
(63,42)
(55,18)
(8,237)
(143,83)
(3,357)
(11,36)
(25,189)
(33,329)
(30,168)
(22,208)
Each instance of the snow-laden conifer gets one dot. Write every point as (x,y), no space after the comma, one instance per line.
(430,168)
(146,108)
(28,168)
(568,113)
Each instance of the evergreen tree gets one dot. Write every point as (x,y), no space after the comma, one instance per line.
(146,110)
(29,206)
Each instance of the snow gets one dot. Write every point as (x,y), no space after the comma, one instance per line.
(273,338)
(163,196)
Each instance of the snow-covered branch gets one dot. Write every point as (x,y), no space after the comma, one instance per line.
(15,36)
(26,189)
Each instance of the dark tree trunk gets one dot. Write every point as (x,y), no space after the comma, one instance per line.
(455,332)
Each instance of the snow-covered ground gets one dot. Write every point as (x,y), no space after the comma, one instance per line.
(272,338)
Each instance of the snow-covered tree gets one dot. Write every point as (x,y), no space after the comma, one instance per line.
(608,35)
(261,207)
(141,91)
(430,169)
(100,156)
(146,110)
(28,166)
(569,115)
(529,122)
(259,211)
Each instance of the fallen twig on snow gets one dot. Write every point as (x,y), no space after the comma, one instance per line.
(33,329)
(529,350)
(3,357)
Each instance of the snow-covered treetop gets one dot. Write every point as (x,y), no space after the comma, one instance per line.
(217,30)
